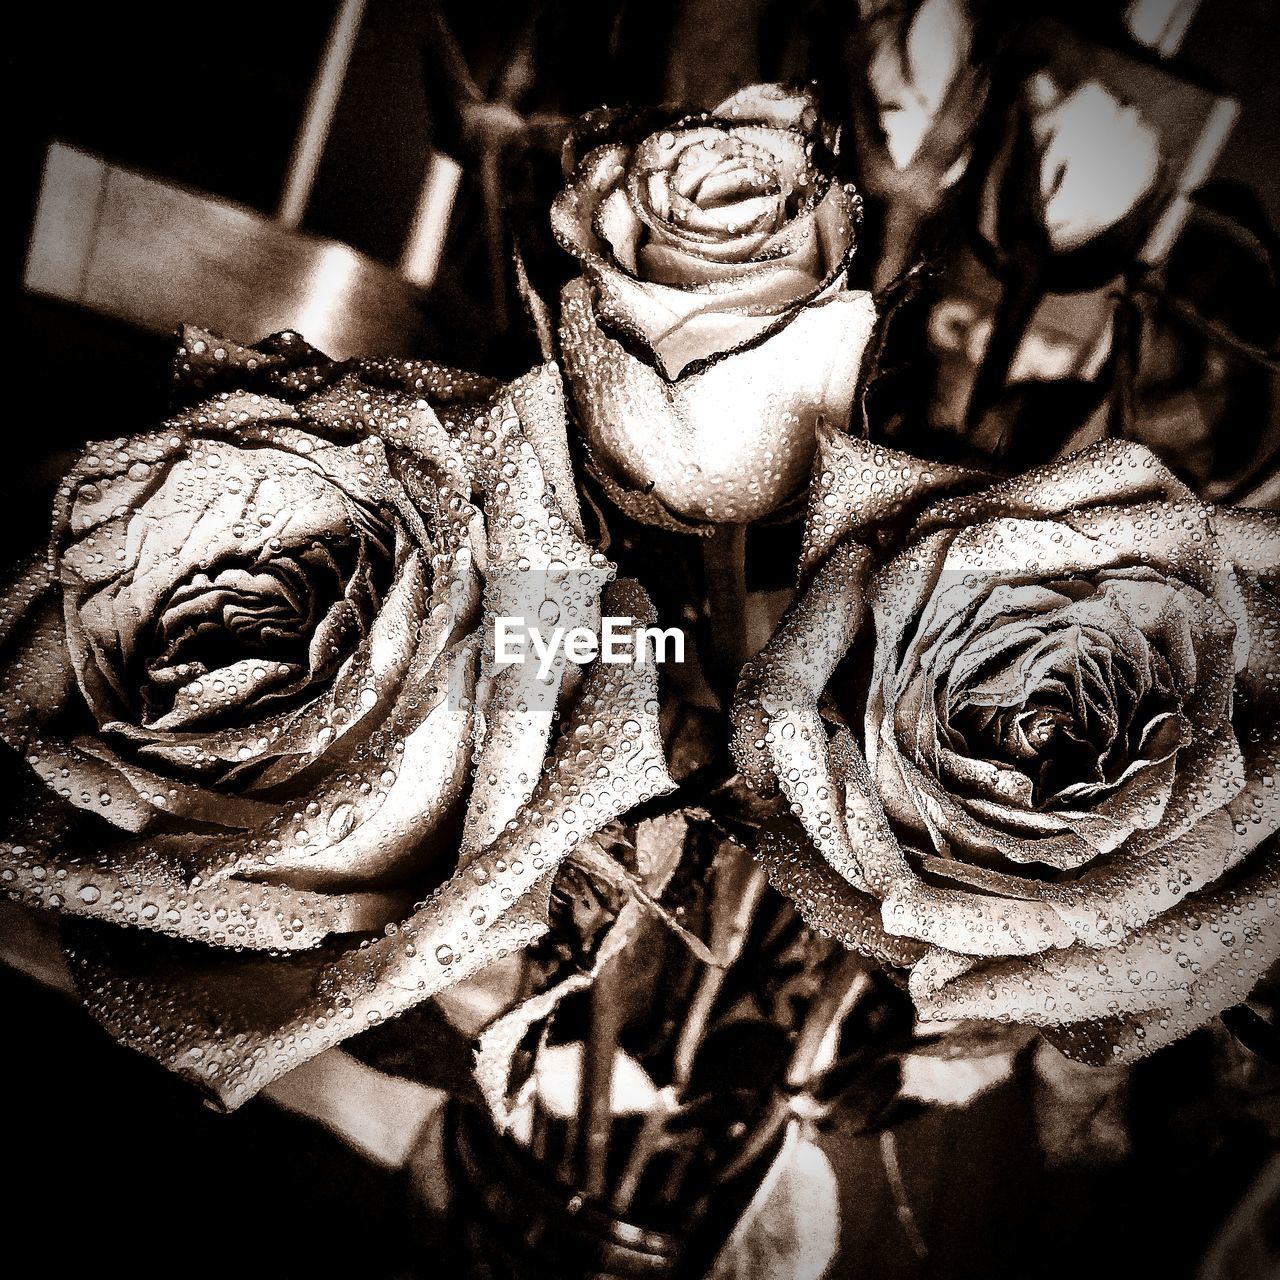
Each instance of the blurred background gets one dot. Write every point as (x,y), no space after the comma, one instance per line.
(363,171)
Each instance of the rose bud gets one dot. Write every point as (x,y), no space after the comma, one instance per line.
(1068,202)
(1048,741)
(249,713)
(1077,184)
(920,96)
(1085,188)
(713,322)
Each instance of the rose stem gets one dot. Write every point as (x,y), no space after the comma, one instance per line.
(902,1202)
(539,1119)
(733,906)
(815,1048)
(649,1141)
(818,1041)
(724,563)
(1126,344)
(739,886)
(538,1125)
(491,189)
(1021,297)
(596,1097)
(736,897)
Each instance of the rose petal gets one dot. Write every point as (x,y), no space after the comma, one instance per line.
(826,900)
(150,887)
(385,815)
(1194,961)
(972,923)
(575,220)
(272,748)
(858,486)
(729,443)
(685,326)
(538,399)
(553,577)
(778,729)
(1249,539)
(778,106)
(1108,473)
(620,229)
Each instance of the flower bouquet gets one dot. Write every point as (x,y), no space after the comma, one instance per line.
(727,750)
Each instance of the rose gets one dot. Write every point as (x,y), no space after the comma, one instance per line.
(911,70)
(1075,174)
(918,101)
(251,692)
(1054,741)
(1064,208)
(714,322)
(1078,198)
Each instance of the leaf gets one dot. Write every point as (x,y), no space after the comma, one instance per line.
(421,1045)
(589,858)
(1081,1111)
(1253,1031)
(791,1228)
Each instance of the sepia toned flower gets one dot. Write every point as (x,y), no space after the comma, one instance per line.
(912,69)
(915,109)
(1080,169)
(1031,726)
(252,713)
(1086,187)
(713,322)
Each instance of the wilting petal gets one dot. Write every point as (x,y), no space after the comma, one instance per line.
(660,845)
